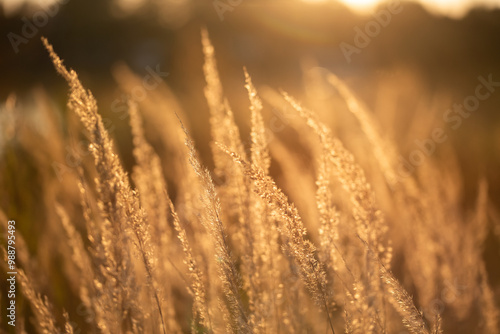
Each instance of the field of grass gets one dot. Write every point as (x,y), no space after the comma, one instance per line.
(293,230)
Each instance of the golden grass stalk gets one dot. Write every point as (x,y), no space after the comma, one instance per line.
(223,127)
(302,250)
(384,151)
(437,326)
(198,291)
(259,150)
(261,251)
(148,177)
(488,306)
(68,328)
(328,216)
(79,257)
(231,181)
(118,203)
(371,225)
(211,220)
(151,184)
(46,322)
(403,303)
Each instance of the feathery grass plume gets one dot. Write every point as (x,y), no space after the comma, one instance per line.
(301,190)
(101,301)
(302,250)
(262,235)
(437,326)
(46,322)
(268,313)
(290,158)
(259,150)
(458,236)
(150,182)
(117,202)
(79,257)
(487,304)
(384,151)
(233,186)
(407,192)
(148,177)
(328,216)
(348,328)
(68,328)
(421,243)
(400,299)
(299,185)
(486,300)
(408,195)
(211,220)
(480,221)
(160,108)
(149,258)
(224,130)
(223,127)
(200,306)
(403,303)
(371,225)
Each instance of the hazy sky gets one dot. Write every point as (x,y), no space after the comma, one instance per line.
(455,8)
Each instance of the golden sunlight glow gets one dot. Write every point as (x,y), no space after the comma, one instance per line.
(453,8)
(361,5)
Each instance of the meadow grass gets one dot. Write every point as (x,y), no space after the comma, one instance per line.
(173,247)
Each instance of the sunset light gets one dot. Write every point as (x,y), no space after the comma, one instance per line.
(453,8)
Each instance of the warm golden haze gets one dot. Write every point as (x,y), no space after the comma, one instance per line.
(305,227)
